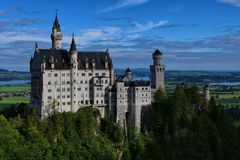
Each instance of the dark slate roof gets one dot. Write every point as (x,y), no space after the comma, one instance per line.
(98,57)
(73,46)
(137,83)
(61,58)
(128,70)
(157,52)
(120,78)
(206,85)
(56,24)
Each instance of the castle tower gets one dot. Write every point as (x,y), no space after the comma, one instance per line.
(73,72)
(157,71)
(128,73)
(206,95)
(56,35)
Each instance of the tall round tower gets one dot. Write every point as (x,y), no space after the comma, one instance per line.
(157,71)
(206,94)
(56,35)
(73,72)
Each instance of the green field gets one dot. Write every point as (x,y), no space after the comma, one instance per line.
(15,88)
(8,101)
(14,100)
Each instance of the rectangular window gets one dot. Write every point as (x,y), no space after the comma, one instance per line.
(49,82)
(64,103)
(90,74)
(55,74)
(49,74)
(96,74)
(103,74)
(68,103)
(49,97)
(83,74)
(49,90)
(63,74)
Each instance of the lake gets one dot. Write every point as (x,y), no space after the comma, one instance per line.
(14,82)
(225,84)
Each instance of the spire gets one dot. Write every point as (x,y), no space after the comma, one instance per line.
(36,45)
(128,70)
(73,44)
(56,24)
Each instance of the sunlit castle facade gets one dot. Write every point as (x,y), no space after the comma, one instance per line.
(64,81)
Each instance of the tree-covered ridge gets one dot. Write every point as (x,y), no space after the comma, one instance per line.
(6,75)
(178,127)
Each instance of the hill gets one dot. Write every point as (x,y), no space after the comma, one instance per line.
(6,75)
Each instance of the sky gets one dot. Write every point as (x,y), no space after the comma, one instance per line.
(192,34)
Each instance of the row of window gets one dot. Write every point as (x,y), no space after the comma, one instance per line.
(66,89)
(160,70)
(143,95)
(143,101)
(146,88)
(81,82)
(68,74)
(86,102)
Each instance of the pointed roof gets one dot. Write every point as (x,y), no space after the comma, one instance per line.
(73,46)
(56,24)
(157,52)
(128,70)
(206,85)
(36,45)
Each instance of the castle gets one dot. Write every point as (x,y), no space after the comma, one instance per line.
(65,81)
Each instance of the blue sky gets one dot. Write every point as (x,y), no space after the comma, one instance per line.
(192,34)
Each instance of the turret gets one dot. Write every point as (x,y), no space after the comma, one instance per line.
(56,35)
(206,95)
(73,51)
(86,63)
(157,71)
(106,61)
(52,62)
(128,74)
(93,64)
(157,57)
(74,68)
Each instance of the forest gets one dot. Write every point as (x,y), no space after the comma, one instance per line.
(179,126)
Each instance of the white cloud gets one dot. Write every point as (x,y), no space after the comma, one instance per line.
(125,4)
(145,27)
(233,2)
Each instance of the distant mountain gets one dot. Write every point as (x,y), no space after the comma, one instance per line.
(144,73)
(6,75)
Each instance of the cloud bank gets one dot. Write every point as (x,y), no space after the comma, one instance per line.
(125,4)
(232,2)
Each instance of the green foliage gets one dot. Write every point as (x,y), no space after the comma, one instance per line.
(179,129)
